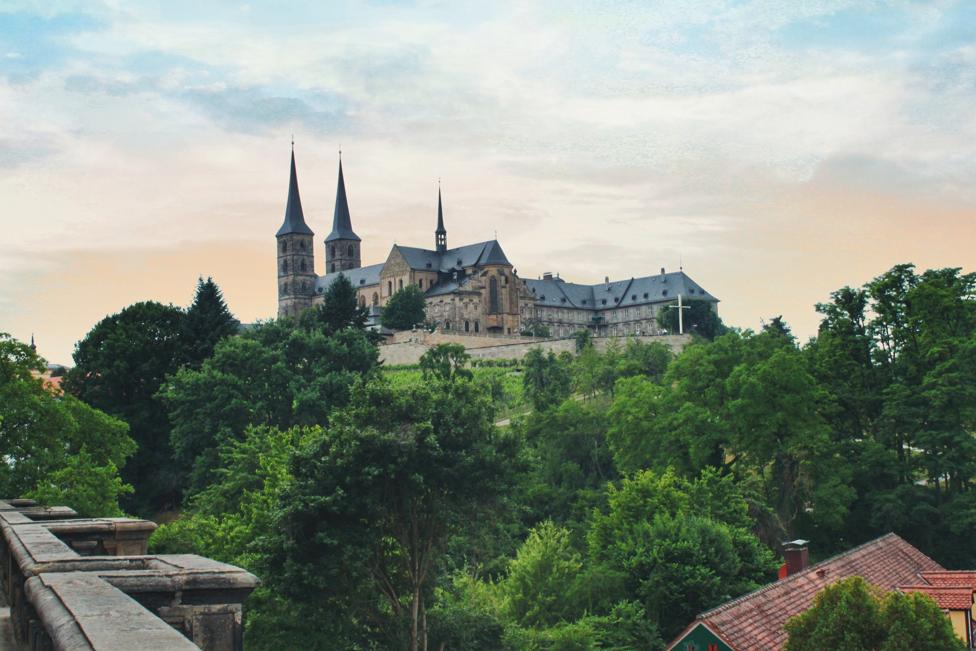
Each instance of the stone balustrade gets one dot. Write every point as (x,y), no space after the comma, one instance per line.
(88,584)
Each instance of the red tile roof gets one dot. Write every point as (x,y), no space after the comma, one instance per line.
(948,597)
(755,621)
(951,578)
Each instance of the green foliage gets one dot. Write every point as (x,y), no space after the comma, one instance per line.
(851,615)
(700,319)
(56,448)
(446,362)
(339,309)
(274,374)
(405,309)
(206,322)
(536,330)
(376,497)
(584,340)
(119,367)
(90,489)
(546,379)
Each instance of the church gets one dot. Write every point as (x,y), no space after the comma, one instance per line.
(471,289)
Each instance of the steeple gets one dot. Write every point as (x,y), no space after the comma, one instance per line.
(341,222)
(440,235)
(294,217)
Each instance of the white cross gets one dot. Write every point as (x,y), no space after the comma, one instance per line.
(681,315)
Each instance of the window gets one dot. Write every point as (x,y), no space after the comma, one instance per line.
(362,301)
(389,288)
(284,266)
(664,292)
(420,283)
(633,297)
(467,326)
(332,251)
(376,298)
(349,251)
(304,268)
(493,296)
(332,267)
(476,329)
(447,325)
(604,301)
(399,284)
(645,294)
(301,244)
(284,246)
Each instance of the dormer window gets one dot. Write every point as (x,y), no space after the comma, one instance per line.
(645,295)
(664,292)
(604,301)
(633,297)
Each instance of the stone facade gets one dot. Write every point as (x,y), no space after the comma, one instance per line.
(472,289)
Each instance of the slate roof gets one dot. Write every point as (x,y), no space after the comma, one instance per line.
(341,221)
(471,255)
(756,620)
(363,276)
(659,288)
(294,217)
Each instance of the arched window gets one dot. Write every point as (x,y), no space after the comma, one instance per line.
(284,246)
(467,326)
(493,296)
(349,251)
(389,288)
(301,244)
(420,283)
(304,268)
(399,284)
(476,327)
(332,251)
(285,288)
(376,298)
(284,266)
(362,301)
(447,325)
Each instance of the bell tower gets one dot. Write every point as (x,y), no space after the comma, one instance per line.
(296,259)
(342,244)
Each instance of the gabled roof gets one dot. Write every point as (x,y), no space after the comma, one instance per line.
(294,217)
(756,620)
(361,277)
(462,257)
(341,221)
(660,288)
(947,597)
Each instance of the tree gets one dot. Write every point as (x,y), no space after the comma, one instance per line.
(56,448)
(446,362)
(682,547)
(376,497)
(700,318)
(119,367)
(405,309)
(852,615)
(206,322)
(546,379)
(273,374)
(584,339)
(339,309)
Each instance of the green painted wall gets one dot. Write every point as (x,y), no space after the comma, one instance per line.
(699,639)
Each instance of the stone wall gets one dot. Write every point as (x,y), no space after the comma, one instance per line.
(84,584)
(408,347)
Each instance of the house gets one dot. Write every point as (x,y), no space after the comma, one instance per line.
(756,620)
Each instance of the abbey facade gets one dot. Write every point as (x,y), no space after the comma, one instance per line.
(471,289)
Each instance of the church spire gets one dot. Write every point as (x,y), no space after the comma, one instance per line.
(294,217)
(440,235)
(341,221)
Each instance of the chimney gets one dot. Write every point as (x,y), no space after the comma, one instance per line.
(796,555)
(606,281)
(662,271)
(547,275)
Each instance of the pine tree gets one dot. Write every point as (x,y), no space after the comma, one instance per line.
(206,322)
(339,309)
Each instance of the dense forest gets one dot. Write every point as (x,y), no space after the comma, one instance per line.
(590,501)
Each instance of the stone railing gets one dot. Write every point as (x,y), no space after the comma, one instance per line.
(87,584)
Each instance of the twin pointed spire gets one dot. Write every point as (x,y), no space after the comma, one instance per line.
(294,217)
(440,235)
(341,221)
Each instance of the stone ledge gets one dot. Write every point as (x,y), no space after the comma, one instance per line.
(185,594)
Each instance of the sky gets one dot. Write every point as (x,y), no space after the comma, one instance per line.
(778,150)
